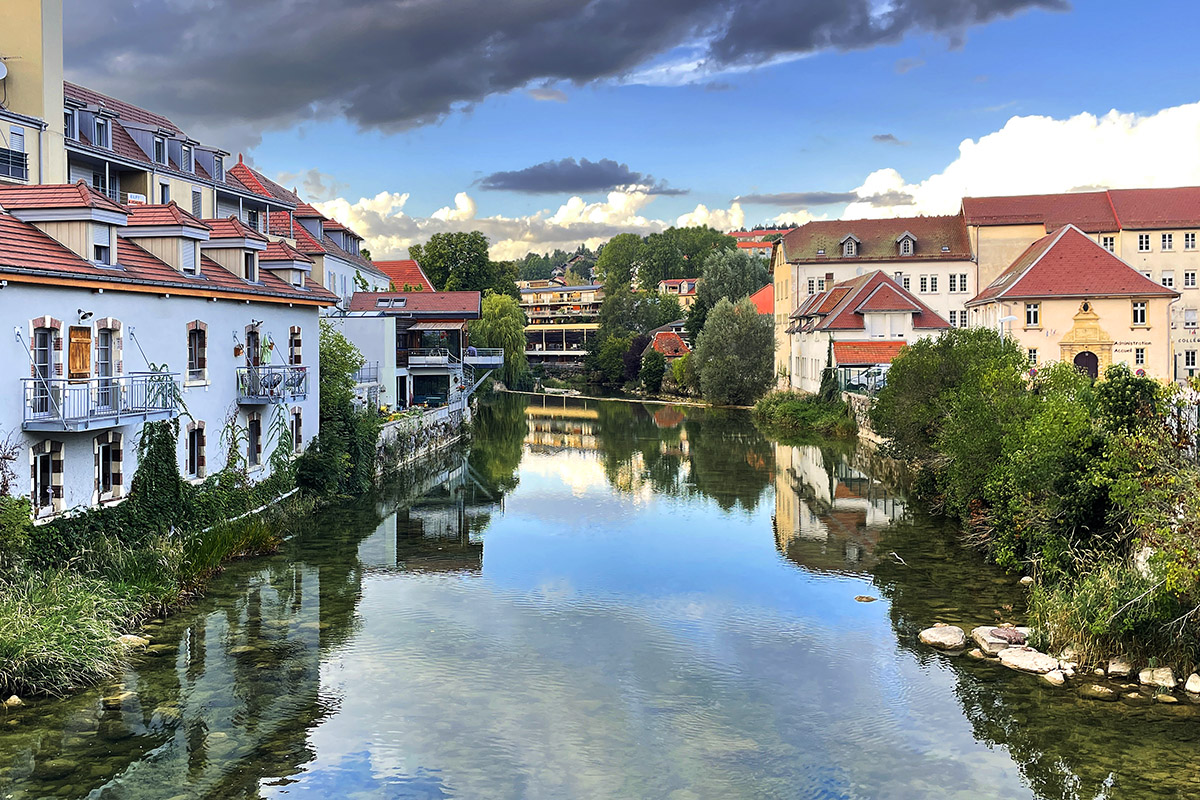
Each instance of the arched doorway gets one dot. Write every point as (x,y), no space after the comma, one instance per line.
(1087,363)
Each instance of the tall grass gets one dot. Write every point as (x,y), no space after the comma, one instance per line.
(796,414)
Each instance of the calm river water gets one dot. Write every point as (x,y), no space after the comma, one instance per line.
(600,600)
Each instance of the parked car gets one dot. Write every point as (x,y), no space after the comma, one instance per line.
(875,378)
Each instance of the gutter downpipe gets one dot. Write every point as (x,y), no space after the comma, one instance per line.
(1171,339)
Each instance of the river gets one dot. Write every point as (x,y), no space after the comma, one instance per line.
(600,599)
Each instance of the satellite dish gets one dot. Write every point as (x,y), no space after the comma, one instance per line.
(3,70)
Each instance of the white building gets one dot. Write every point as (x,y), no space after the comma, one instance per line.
(126,315)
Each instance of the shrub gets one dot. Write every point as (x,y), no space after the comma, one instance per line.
(795,414)
(654,366)
(735,354)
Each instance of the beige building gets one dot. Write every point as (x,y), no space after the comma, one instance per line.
(1068,298)
(1153,230)
(927,256)
(560,320)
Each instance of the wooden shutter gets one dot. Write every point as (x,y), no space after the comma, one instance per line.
(79,357)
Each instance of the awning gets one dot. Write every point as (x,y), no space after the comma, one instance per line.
(435,325)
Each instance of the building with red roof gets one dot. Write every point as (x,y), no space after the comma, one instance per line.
(405,275)
(670,344)
(764,299)
(683,289)
(868,317)
(1067,298)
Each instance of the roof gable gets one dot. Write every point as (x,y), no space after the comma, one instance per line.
(405,272)
(872,293)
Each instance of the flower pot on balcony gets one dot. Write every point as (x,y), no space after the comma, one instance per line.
(238,350)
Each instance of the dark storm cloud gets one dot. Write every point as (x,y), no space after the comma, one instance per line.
(798,199)
(244,67)
(569,175)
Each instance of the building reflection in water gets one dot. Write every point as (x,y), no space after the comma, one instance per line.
(831,506)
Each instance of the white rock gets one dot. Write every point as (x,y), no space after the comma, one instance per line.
(133,642)
(1026,659)
(1193,684)
(989,644)
(1055,677)
(1027,581)
(1119,668)
(13,702)
(944,637)
(1161,676)
(1165,698)
(1095,691)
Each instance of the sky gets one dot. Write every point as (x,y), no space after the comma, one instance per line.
(551,123)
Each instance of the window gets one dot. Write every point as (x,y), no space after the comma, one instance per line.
(1189,241)
(164,193)
(1146,274)
(958,282)
(297,431)
(250,262)
(906,283)
(197,204)
(1033,356)
(186,158)
(1168,278)
(820,284)
(1189,280)
(848,248)
(99,182)
(218,167)
(1109,243)
(953,319)
(1168,241)
(1143,243)
(343,286)
(1189,359)
(812,284)
(933,283)
(107,451)
(924,284)
(1033,315)
(102,138)
(1139,313)
(187,256)
(42,495)
(906,246)
(1139,356)
(252,218)
(294,345)
(101,243)
(105,369)
(195,449)
(69,129)
(197,359)
(254,441)
(160,150)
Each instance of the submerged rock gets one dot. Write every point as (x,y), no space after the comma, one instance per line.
(989,644)
(1027,581)
(1119,668)
(1055,677)
(1096,691)
(1026,659)
(1166,698)
(976,653)
(1157,676)
(1193,684)
(115,701)
(944,637)
(1135,698)
(133,642)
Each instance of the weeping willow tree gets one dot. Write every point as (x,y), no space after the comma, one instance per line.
(502,324)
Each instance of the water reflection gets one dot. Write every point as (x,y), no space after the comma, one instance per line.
(666,609)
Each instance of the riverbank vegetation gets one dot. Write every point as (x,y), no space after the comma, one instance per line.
(71,587)
(794,415)
(1089,486)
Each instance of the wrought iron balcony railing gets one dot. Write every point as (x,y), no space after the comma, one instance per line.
(271,383)
(65,404)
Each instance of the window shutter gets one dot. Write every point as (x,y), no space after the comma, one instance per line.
(197,204)
(79,355)
(100,234)
(16,139)
(189,256)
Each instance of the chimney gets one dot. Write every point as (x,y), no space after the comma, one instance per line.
(829,279)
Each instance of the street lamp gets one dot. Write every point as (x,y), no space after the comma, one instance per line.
(1000,325)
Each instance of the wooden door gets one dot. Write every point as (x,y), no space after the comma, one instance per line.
(79,355)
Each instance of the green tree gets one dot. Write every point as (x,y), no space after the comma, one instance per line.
(654,366)
(611,359)
(618,262)
(683,373)
(696,244)
(502,324)
(459,261)
(728,274)
(660,259)
(624,311)
(735,353)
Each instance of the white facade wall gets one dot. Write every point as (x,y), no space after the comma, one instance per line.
(156,325)
(941,299)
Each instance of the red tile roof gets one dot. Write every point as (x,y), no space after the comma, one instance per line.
(125,110)
(57,195)
(857,354)
(755,245)
(305,210)
(27,251)
(670,344)
(232,228)
(1141,209)
(405,272)
(752,234)
(1091,212)
(1068,263)
(282,251)
(878,240)
(452,304)
(843,306)
(764,299)
(170,214)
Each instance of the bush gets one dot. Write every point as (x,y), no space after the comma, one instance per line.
(795,414)
(735,354)
(654,366)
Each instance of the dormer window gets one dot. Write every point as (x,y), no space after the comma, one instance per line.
(188,261)
(101,244)
(160,150)
(186,158)
(849,249)
(69,128)
(250,260)
(218,167)
(102,138)
(906,247)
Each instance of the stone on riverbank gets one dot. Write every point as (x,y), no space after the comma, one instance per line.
(1095,691)
(944,637)
(1027,581)
(1055,677)
(992,645)
(1166,698)
(13,702)
(1026,659)
(976,654)
(1119,668)
(1135,698)
(1160,676)
(115,701)
(1193,684)
(132,642)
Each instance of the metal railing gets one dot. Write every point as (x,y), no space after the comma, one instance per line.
(269,383)
(426,357)
(84,403)
(861,380)
(491,357)
(14,164)
(367,373)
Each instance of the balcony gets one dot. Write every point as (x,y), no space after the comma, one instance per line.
(63,404)
(258,386)
(368,373)
(485,357)
(426,357)
(14,164)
